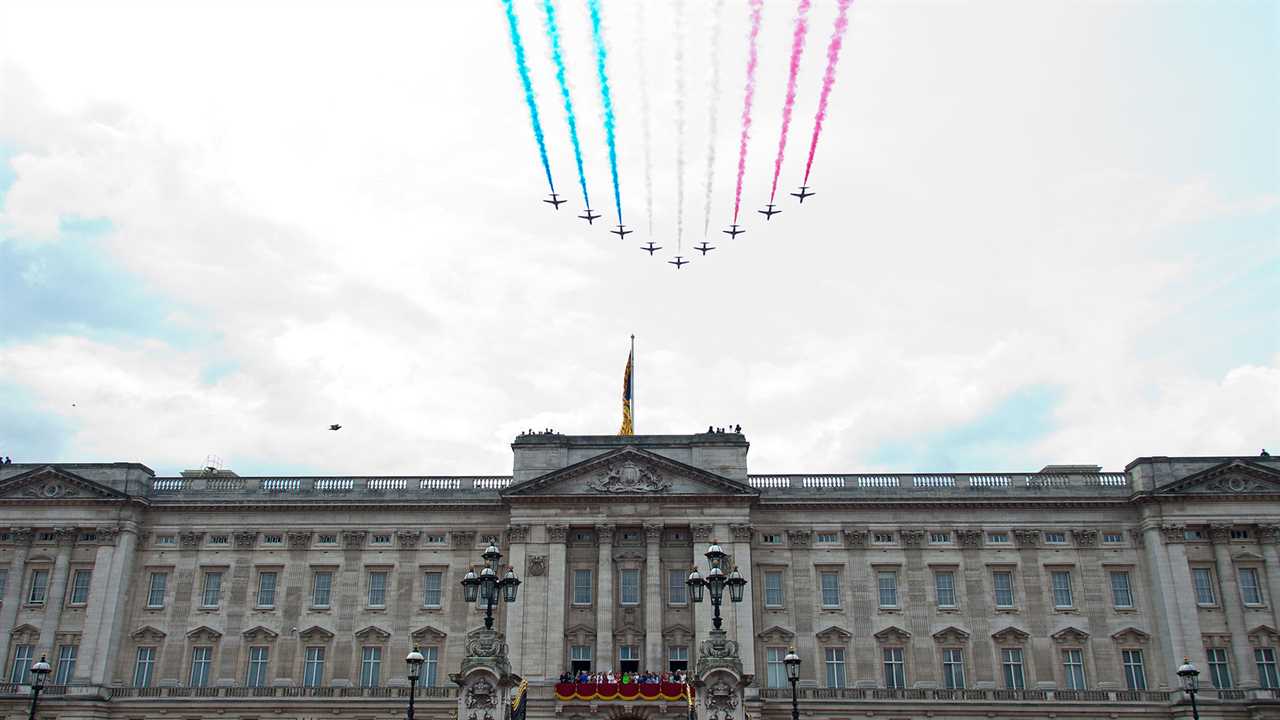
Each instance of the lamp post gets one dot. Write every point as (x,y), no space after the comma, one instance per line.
(38,672)
(716,581)
(792,663)
(488,586)
(414,661)
(1190,684)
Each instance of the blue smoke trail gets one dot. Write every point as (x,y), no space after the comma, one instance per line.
(593,6)
(523,67)
(553,34)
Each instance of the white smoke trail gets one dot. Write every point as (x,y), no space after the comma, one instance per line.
(714,103)
(644,111)
(679,6)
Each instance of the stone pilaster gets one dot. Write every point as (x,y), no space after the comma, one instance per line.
(66,538)
(12,599)
(653,603)
(1233,606)
(801,602)
(112,628)
(919,583)
(604,599)
(89,658)
(862,588)
(1269,536)
(1182,589)
(977,606)
(1168,625)
(517,540)
(557,601)
(744,623)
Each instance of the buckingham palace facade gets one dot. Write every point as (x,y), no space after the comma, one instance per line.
(1063,593)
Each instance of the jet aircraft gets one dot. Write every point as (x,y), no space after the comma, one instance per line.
(621,233)
(804,193)
(555,200)
(590,216)
(678,262)
(704,248)
(768,212)
(335,427)
(651,247)
(733,231)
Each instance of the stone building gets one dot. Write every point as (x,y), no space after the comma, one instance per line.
(1068,592)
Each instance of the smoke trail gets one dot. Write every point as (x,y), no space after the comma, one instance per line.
(828,79)
(593,6)
(523,68)
(644,111)
(753,59)
(711,124)
(553,34)
(679,126)
(797,49)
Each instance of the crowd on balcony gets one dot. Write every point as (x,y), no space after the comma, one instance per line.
(609,677)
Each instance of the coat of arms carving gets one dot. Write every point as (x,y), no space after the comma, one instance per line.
(629,477)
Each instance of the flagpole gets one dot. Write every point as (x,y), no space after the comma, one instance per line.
(633,383)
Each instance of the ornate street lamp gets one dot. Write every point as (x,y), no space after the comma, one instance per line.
(487,586)
(1190,684)
(716,581)
(414,660)
(792,663)
(38,672)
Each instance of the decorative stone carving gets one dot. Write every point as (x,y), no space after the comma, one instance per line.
(537,565)
(722,697)
(629,478)
(800,538)
(893,635)
(147,634)
(1138,538)
(1010,636)
(51,490)
(968,537)
(189,539)
(517,534)
(298,539)
(315,633)
(481,694)
(1026,537)
(911,538)
(1085,537)
(1263,636)
(1269,533)
(373,632)
(856,537)
(1220,533)
(427,635)
(604,534)
(1174,533)
(741,532)
(653,532)
(1233,484)
(702,533)
(204,634)
(65,535)
(718,652)
(22,536)
(27,634)
(108,534)
(1131,636)
(408,538)
(776,635)
(951,635)
(463,539)
(834,635)
(1070,636)
(245,539)
(258,633)
(557,533)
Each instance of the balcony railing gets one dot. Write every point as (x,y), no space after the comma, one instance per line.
(441,691)
(969,695)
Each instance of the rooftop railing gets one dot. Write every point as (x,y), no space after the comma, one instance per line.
(326,486)
(939,481)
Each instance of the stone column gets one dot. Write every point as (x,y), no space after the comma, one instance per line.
(802,602)
(744,618)
(557,603)
(112,629)
(517,537)
(977,606)
(89,658)
(1168,623)
(1182,589)
(604,599)
(866,657)
(1233,606)
(1270,536)
(919,584)
(66,538)
(12,599)
(653,603)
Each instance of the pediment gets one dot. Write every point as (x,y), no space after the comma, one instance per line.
(1131,636)
(677,633)
(147,633)
(1234,477)
(1263,635)
(204,633)
(951,635)
(315,633)
(893,634)
(26,634)
(373,632)
(776,634)
(1246,556)
(51,483)
(1010,636)
(581,634)
(258,633)
(428,634)
(834,634)
(1070,635)
(626,472)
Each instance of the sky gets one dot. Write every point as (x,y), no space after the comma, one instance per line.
(1044,233)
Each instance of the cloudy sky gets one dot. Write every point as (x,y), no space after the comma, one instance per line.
(1045,232)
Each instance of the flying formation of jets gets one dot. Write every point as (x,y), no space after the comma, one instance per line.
(733,231)
(590,216)
(650,247)
(555,201)
(678,262)
(804,193)
(705,247)
(768,212)
(621,233)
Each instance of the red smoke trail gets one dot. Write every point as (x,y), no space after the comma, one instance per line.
(752,61)
(797,49)
(828,79)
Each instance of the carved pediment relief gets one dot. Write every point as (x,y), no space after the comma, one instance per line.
(26,634)
(893,635)
(776,635)
(204,634)
(1234,477)
(373,632)
(1247,557)
(1070,636)
(581,634)
(1221,640)
(148,634)
(1131,636)
(1010,636)
(834,635)
(428,635)
(1263,635)
(629,471)
(315,633)
(677,634)
(258,633)
(951,635)
(52,483)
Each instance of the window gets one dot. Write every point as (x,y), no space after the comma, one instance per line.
(882,538)
(370,666)
(66,664)
(1055,538)
(581,587)
(1121,595)
(273,539)
(219,540)
(212,591)
(677,658)
(166,540)
(143,665)
(895,668)
(1002,581)
(438,539)
(377,589)
(771,539)
(430,666)
(1011,663)
(1073,669)
(888,583)
(1250,590)
(953,668)
(201,660)
(1135,675)
(773,589)
(20,672)
(1266,659)
(677,591)
(327,539)
(580,658)
(939,538)
(777,671)
(266,589)
(432,585)
(45,537)
(155,591)
(1113,538)
(321,584)
(828,538)
(830,591)
(629,658)
(256,675)
(944,585)
(1203,580)
(835,667)
(80,587)
(998,538)
(582,536)
(313,667)
(39,587)
(381,539)
(630,587)
(1239,534)
(1192,535)
(630,535)
(1219,668)
(1062,588)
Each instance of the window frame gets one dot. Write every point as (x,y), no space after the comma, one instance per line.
(781,590)
(427,590)
(1134,679)
(385,576)
(430,674)
(1211,582)
(144,670)
(1125,573)
(895,666)
(44,573)
(950,574)
(881,575)
(163,576)
(623,574)
(1054,589)
(66,666)
(676,580)
(834,575)
(20,667)
(370,665)
(588,588)
(949,677)
(835,665)
(773,663)
(204,589)
(254,665)
(995,588)
(313,668)
(316,573)
(1068,675)
(1215,676)
(206,662)
(73,587)
(1008,663)
(1260,598)
(263,574)
(1265,660)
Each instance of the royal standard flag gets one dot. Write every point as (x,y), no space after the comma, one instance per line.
(627,427)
